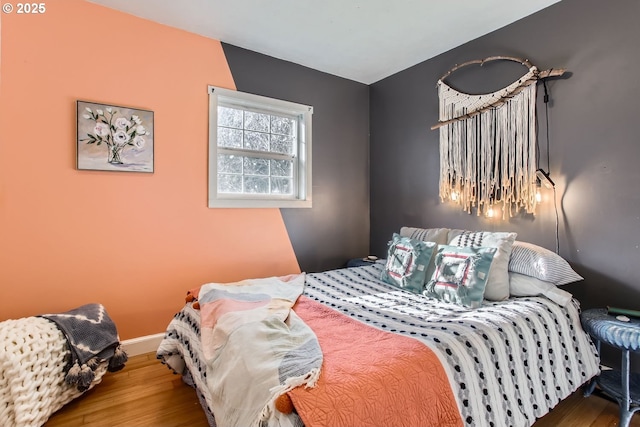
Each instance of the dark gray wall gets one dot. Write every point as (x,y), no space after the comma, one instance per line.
(593,138)
(336,228)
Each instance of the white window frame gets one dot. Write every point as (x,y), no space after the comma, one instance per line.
(302,158)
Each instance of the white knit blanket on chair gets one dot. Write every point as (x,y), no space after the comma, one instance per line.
(32,377)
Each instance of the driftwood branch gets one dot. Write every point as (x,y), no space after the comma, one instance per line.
(524,62)
(553,72)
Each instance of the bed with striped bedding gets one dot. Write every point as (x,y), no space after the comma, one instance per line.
(508,363)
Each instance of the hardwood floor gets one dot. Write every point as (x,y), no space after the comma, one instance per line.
(146,393)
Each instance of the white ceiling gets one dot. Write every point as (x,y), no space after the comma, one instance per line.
(361,40)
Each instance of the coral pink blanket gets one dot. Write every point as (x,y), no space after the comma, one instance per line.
(371,377)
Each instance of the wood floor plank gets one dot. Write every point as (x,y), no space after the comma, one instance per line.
(580,411)
(573,411)
(147,394)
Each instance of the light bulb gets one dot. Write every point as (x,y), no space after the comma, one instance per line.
(490,212)
(538,196)
(454,196)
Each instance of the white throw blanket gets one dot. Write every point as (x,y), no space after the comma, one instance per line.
(256,348)
(33,357)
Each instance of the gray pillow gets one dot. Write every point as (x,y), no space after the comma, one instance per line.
(541,263)
(437,235)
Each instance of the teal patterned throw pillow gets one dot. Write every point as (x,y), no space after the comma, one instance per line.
(407,263)
(461,275)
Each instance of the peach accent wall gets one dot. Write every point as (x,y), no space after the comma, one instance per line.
(134,242)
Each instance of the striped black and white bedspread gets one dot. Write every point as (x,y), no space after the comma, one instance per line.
(181,351)
(508,362)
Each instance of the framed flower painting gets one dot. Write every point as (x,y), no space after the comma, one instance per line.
(114,138)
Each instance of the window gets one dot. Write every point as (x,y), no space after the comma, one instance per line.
(259,151)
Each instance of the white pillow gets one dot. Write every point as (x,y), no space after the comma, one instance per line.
(498,283)
(521,285)
(541,263)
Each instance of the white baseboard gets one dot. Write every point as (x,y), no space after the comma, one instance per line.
(142,345)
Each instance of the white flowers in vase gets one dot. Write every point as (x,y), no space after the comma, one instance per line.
(116,132)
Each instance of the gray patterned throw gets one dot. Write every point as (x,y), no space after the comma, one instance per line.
(92,339)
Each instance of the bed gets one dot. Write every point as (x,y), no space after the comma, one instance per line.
(502,363)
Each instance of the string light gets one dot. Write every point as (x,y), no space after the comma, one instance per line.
(490,212)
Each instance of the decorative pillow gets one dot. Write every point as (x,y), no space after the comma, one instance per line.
(454,232)
(521,285)
(498,282)
(437,235)
(407,263)
(461,275)
(541,263)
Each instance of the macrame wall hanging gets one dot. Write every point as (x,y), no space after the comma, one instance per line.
(488,144)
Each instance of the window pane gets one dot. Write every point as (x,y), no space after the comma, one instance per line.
(229,183)
(281,186)
(229,163)
(256,141)
(256,184)
(283,125)
(229,138)
(282,168)
(260,157)
(282,144)
(256,121)
(229,117)
(256,166)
